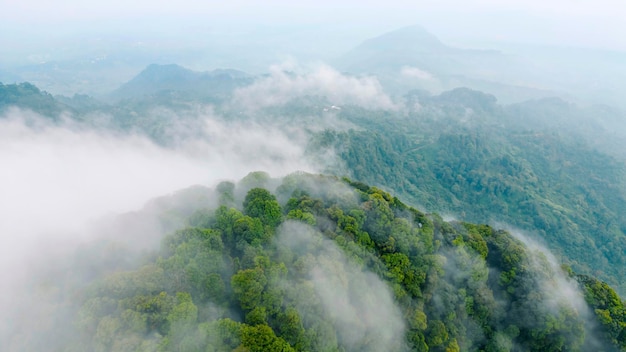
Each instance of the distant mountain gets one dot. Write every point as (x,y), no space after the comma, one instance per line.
(412,57)
(27,96)
(159,78)
(416,47)
(601,126)
(92,76)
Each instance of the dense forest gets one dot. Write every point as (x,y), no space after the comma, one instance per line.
(544,166)
(458,191)
(324,263)
(464,155)
(318,263)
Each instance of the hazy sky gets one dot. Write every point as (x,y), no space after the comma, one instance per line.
(597,23)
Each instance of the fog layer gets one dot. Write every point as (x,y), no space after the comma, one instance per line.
(58,178)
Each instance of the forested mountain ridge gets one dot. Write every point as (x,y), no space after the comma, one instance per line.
(159,78)
(416,47)
(453,187)
(462,154)
(412,57)
(316,263)
(27,96)
(546,166)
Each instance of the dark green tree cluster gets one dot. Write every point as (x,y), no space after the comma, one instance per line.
(608,307)
(323,264)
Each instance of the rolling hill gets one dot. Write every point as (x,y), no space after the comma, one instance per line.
(316,263)
(159,78)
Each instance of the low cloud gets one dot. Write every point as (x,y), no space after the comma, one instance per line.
(560,292)
(414,72)
(359,303)
(284,84)
(58,179)
(56,175)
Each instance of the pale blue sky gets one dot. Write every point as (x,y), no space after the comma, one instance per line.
(37,31)
(599,23)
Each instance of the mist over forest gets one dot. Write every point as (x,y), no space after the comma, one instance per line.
(422,177)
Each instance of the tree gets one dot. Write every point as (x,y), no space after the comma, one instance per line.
(261,338)
(248,286)
(260,203)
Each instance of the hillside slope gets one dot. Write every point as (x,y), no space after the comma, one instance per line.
(159,78)
(462,154)
(314,263)
(545,166)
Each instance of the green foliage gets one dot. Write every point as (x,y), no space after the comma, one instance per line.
(251,230)
(261,204)
(221,335)
(261,338)
(527,164)
(303,216)
(226,191)
(229,281)
(154,310)
(248,286)
(608,307)
(491,164)
(27,96)
(250,282)
(256,179)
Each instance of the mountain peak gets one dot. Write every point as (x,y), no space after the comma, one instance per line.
(414,36)
(408,46)
(160,73)
(171,77)
(412,39)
